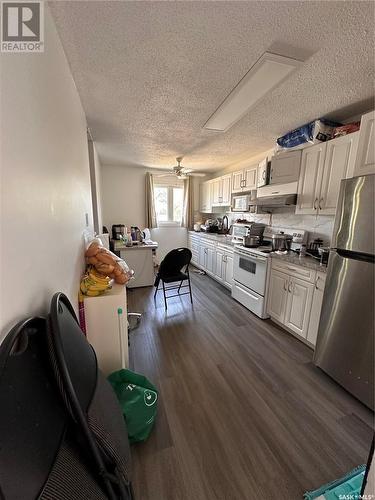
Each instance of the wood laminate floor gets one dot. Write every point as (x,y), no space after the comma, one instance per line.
(243,412)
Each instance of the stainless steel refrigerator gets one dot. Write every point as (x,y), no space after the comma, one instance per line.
(345,344)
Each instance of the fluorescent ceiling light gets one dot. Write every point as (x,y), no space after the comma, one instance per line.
(268,72)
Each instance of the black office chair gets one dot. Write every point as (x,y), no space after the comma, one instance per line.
(174,267)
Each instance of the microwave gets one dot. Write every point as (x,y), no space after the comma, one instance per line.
(240,203)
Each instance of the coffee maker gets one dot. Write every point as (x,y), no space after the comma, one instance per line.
(118,231)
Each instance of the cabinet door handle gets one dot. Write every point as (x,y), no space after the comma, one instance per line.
(316,283)
(285,285)
(290,287)
(315,202)
(264,175)
(320,203)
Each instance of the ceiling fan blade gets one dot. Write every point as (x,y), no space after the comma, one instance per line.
(197,174)
(166,175)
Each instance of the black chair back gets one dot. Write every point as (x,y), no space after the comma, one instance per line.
(174,262)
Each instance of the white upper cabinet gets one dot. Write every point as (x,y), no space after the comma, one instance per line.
(244,180)
(216,191)
(226,190)
(221,191)
(285,167)
(310,179)
(323,166)
(237,178)
(262,173)
(250,177)
(365,161)
(205,197)
(339,164)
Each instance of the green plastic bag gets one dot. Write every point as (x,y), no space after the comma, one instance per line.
(138,400)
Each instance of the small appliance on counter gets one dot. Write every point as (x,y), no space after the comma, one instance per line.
(118,231)
(210,226)
(223,225)
(254,235)
(136,235)
(281,242)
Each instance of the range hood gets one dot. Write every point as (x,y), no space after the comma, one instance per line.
(276,195)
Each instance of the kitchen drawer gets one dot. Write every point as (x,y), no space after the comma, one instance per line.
(225,248)
(303,273)
(207,243)
(194,238)
(249,299)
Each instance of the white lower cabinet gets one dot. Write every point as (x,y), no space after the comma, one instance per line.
(210,259)
(298,306)
(228,269)
(214,258)
(219,264)
(277,295)
(295,300)
(316,307)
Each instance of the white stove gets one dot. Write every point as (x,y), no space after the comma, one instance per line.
(263,250)
(250,273)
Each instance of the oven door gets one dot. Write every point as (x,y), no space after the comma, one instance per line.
(250,270)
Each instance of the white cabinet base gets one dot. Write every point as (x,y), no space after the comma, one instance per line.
(141,261)
(103,329)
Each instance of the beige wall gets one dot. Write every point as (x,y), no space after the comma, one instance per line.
(123,202)
(45,183)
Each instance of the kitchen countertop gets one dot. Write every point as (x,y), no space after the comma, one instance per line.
(291,257)
(305,261)
(135,247)
(224,239)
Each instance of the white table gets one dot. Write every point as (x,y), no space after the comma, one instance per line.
(140,259)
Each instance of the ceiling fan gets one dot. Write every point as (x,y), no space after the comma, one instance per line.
(184,173)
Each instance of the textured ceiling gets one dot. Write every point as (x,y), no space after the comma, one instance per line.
(150,74)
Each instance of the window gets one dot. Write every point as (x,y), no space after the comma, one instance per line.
(169,201)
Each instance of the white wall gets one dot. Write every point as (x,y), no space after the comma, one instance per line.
(95,180)
(45,184)
(123,202)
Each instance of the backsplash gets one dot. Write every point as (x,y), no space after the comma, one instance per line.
(318,226)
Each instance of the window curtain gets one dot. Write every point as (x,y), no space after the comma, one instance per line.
(151,220)
(188,208)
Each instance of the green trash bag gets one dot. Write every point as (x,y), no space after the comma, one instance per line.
(138,400)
